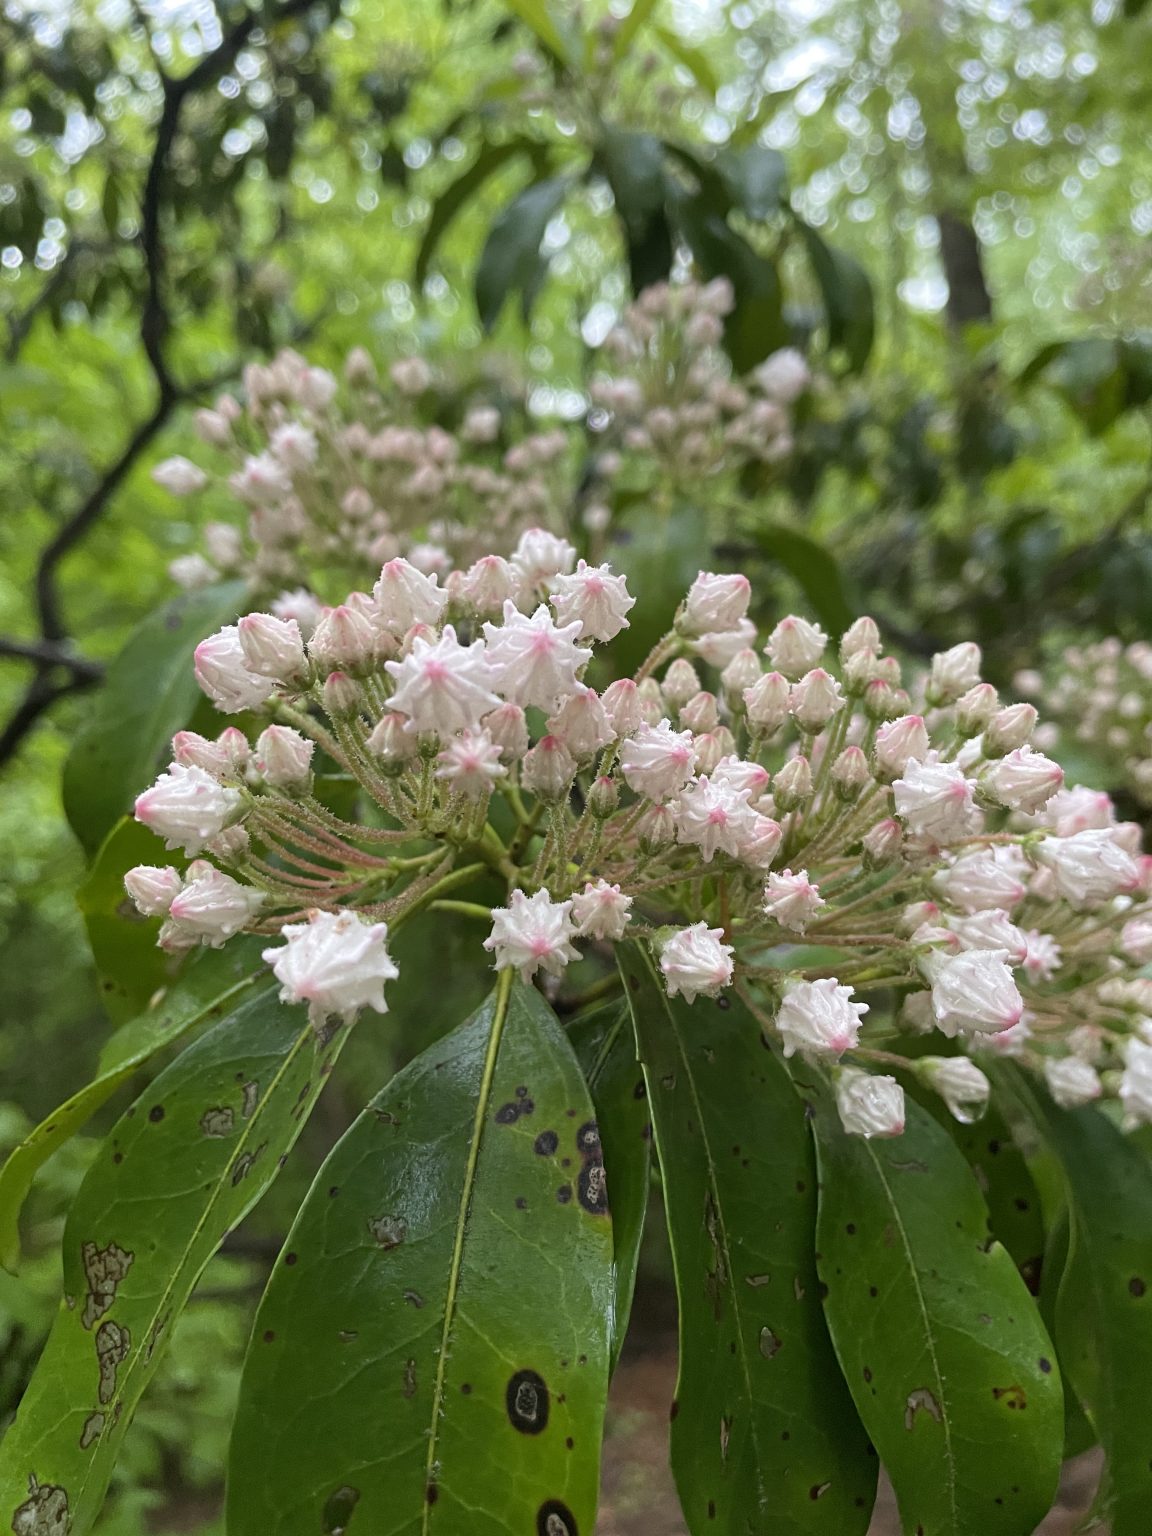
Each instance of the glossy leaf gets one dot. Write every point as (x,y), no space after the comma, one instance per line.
(943,1348)
(1015,1217)
(634,166)
(606,1049)
(814,569)
(846,290)
(179,1170)
(212,983)
(510,261)
(130,966)
(755,327)
(1079,1434)
(432,1350)
(757,178)
(457,196)
(1104,1303)
(764,1436)
(148,695)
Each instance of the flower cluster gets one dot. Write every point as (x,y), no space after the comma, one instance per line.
(1100,698)
(336,475)
(767,812)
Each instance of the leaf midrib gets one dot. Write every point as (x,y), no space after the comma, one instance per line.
(491,1052)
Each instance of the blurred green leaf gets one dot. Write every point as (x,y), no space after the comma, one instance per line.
(456,197)
(693,59)
(446,1286)
(846,291)
(757,178)
(510,261)
(815,570)
(129,964)
(631,25)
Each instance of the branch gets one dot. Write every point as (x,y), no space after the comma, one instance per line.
(52,656)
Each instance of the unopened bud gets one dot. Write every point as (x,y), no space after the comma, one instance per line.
(792,786)
(656,829)
(284,758)
(882,843)
(814,700)
(700,713)
(681,683)
(767,703)
(742,672)
(899,742)
(509,730)
(652,705)
(548,769)
(391,743)
(976,708)
(863,635)
(709,751)
(953,672)
(850,774)
(624,705)
(341,696)
(881,701)
(1008,729)
(344,637)
(272,647)
(603,797)
(153,888)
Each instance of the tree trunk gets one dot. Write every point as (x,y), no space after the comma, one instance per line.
(968,296)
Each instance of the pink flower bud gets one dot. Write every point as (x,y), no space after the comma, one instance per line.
(882,843)
(186,807)
(898,742)
(792,786)
(695,963)
(681,683)
(212,906)
(548,769)
(391,742)
(344,638)
(869,1104)
(976,708)
(271,647)
(767,702)
(603,797)
(795,646)
(1009,728)
(701,712)
(953,672)
(653,707)
(850,774)
(741,673)
(656,829)
(1072,1082)
(180,476)
(582,724)
(153,889)
(1024,780)
(224,675)
(815,699)
(509,730)
(284,758)
(622,703)
(715,604)
(341,695)
(862,635)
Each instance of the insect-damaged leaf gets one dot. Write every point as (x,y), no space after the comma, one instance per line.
(213,982)
(765,1436)
(432,1350)
(943,1347)
(606,1049)
(178,1171)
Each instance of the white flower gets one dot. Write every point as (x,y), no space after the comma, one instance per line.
(601,911)
(714,816)
(186,807)
(443,686)
(991,878)
(534,660)
(991,929)
(1089,868)
(935,800)
(622,702)
(1024,780)
(1079,809)
(301,606)
(783,376)
(1136,1083)
(750,778)
(471,764)
(294,445)
(819,1018)
(959,1082)
(658,761)
(532,933)
(715,604)
(489,584)
(1009,1043)
(795,646)
(792,900)
(262,482)
(212,906)
(582,723)
(768,701)
(595,598)
(973,991)
(192,572)
(271,646)
(411,375)
(405,596)
(539,556)
(953,672)
(345,637)
(900,741)
(180,476)
(695,963)
(1136,940)
(761,841)
(815,699)
(223,674)
(1042,956)
(718,647)
(869,1105)
(283,757)
(153,888)
(335,962)
(1072,1082)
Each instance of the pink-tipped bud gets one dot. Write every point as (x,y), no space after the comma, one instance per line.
(681,683)
(792,786)
(272,647)
(391,743)
(153,888)
(976,708)
(863,635)
(284,758)
(815,699)
(603,797)
(344,638)
(656,829)
(767,703)
(850,774)
(341,695)
(548,769)
(651,701)
(953,672)
(701,712)
(898,742)
(509,730)
(882,843)
(622,702)
(1008,729)
(742,672)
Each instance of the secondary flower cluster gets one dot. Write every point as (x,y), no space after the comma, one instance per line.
(334,476)
(1100,697)
(766,812)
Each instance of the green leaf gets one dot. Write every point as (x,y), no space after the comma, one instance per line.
(815,570)
(632,23)
(558,37)
(757,179)
(455,198)
(943,1348)
(1104,1304)
(764,1436)
(846,290)
(660,555)
(510,261)
(634,166)
(179,1170)
(149,694)
(1078,1432)
(432,1350)
(213,981)
(606,1049)
(130,966)
(1000,1169)
(693,60)
(755,327)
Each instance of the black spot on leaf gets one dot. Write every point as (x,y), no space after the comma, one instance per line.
(546,1143)
(555,1519)
(527,1403)
(338,1510)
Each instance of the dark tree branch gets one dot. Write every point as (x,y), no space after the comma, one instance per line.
(963,262)
(53,656)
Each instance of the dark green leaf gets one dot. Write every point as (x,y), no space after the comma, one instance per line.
(634,166)
(129,964)
(1078,1432)
(456,197)
(757,178)
(432,1350)
(148,695)
(1001,1171)
(510,261)
(764,1437)
(755,328)
(606,1049)
(944,1350)
(178,1171)
(815,570)
(1104,1304)
(212,982)
(846,290)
